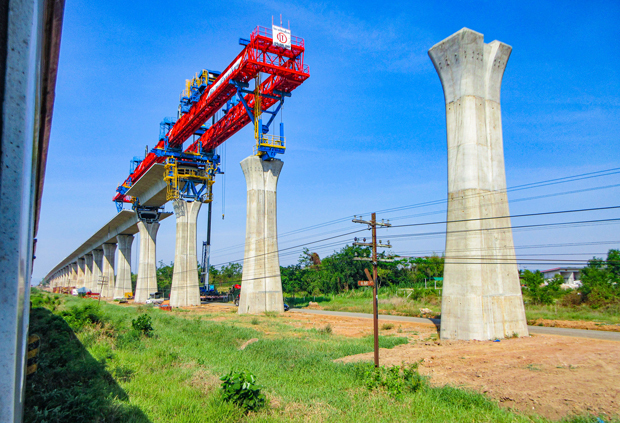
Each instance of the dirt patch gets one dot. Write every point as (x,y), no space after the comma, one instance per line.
(553,376)
(575,324)
(205,381)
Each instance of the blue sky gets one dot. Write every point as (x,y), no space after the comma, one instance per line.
(366,132)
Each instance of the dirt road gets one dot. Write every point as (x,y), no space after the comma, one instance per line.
(563,331)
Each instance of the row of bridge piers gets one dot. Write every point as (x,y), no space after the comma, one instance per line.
(106,268)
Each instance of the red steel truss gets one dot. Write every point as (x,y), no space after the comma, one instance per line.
(286,69)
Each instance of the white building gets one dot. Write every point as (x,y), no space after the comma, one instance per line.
(571,276)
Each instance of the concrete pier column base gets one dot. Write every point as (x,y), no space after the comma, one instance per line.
(123,271)
(147,264)
(184,290)
(109,251)
(88,272)
(481,291)
(97,270)
(261,286)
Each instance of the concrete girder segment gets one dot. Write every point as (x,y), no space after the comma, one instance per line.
(123,271)
(261,286)
(481,290)
(109,251)
(184,289)
(147,265)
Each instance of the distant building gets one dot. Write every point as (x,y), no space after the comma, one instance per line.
(571,276)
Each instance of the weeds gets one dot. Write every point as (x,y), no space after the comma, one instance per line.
(387,326)
(327,330)
(255,321)
(79,316)
(395,380)
(241,389)
(143,323)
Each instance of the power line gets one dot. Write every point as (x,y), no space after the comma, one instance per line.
(460,231)
(538,184)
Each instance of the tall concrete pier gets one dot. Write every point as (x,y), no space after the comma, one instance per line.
(80,272)
(147,266)
(123,271)
(73,274)
(184,289)
(109,251)
(481,292)
(261,286)
(97,270)
(88,272)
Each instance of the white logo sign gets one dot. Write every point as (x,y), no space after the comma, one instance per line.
(281,37)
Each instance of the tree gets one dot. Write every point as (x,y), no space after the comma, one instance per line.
(540,292)
(164,277)
(600,280)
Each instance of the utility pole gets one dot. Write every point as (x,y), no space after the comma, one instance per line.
(372,224)
(207,257)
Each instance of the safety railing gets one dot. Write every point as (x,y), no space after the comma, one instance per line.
(266,32)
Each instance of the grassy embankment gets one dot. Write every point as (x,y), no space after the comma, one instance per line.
(95,368)
(408,303)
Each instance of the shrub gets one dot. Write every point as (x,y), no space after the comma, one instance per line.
(540,293)
(571,299)
(77,317)
(241,389)
(327,330)
(395,380)
(39,299)
(387,326)
(143,324)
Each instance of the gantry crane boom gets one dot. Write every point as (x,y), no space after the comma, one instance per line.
(260,55)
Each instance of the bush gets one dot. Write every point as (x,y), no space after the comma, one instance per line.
(241,389)
(143,324)
(540,293)
(327,330)
(395,380)
(77,317)
(571,299)
(39,299)
(387,326)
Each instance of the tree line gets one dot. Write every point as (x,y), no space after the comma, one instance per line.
(340,272)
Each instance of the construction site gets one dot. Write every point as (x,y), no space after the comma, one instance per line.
(375,331)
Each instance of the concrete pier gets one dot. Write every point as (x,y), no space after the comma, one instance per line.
(80,272)
(261,286)
(107,270)
(481,291)
(88,272)
(97,270)
(73,274)
(184,290)
(123,271)
(147,265)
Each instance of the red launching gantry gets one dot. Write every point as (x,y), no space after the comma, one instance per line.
(273,52)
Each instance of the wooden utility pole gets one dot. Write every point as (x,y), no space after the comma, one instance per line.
(372,224)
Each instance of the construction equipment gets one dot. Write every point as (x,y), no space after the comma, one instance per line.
(190,173)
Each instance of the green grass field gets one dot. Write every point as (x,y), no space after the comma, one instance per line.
(95,368)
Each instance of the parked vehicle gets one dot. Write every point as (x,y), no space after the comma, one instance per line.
(286,307)
(155,298)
